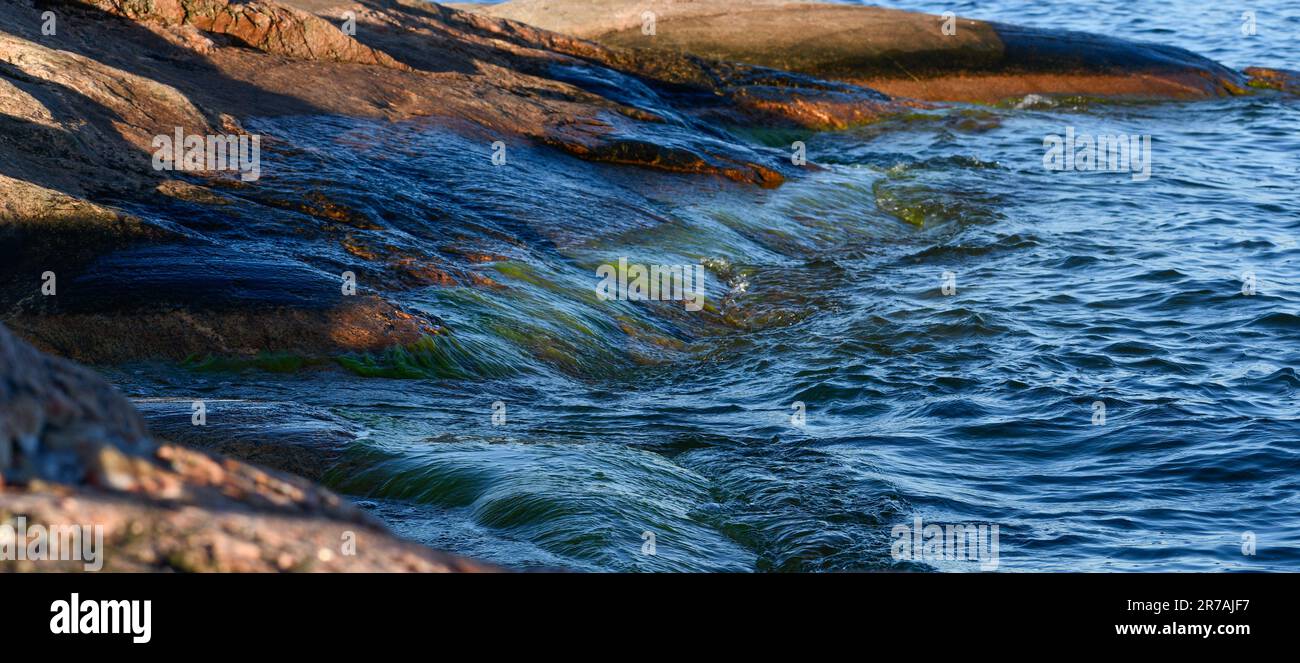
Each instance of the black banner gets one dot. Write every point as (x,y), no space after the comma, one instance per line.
(939,613)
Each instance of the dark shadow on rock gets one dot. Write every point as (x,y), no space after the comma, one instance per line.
(194,275)
(54,158)
(129,46)
(432,49)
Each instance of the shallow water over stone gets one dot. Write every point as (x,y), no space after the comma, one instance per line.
(1071,288)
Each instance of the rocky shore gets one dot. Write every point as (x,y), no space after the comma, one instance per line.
(88,86)
(80,109)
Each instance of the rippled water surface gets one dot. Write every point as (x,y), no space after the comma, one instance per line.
(977,407)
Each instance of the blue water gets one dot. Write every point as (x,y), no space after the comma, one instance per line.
(1071,289)
(1207,28)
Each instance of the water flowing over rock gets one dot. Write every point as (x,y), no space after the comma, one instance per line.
(73,452)
(81,110)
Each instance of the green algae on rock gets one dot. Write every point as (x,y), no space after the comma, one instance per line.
(1283,80)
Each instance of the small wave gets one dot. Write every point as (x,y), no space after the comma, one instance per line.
(1277,321)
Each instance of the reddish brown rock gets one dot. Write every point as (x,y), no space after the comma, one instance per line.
(416,59)
(900,53)
(267,27)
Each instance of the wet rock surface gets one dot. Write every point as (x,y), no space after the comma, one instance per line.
(175,301)
(289,437)
(74,452)
(165,264)
(901,53)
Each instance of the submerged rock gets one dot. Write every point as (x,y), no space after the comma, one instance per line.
(1283,80)
(74,452)
(289,437)
(901,53)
